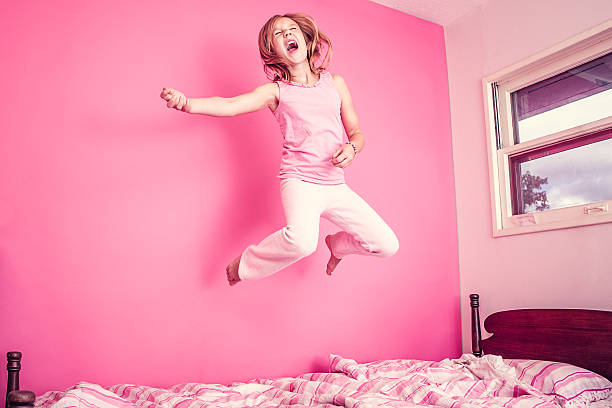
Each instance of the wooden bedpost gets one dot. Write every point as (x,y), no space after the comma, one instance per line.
(13,366)
(14,397)
(474,304)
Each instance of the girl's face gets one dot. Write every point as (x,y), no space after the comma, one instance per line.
(288,41)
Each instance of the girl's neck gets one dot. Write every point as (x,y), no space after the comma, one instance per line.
(303,75)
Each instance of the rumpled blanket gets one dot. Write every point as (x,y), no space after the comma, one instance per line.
(466,382)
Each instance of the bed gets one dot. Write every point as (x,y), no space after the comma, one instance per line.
(536,358)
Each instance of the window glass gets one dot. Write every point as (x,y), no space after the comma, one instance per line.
(575,97)
(572,173)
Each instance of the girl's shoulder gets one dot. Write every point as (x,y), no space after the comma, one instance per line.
(327,73)
(269,88)
(339,83)
(335,77)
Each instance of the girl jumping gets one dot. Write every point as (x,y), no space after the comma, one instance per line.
(321,137)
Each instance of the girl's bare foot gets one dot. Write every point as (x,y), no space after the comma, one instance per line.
(232,272)
(333,261)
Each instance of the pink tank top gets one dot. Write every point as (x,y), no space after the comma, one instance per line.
(309,119)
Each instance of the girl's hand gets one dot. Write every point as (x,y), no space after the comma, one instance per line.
(344,156)
(176,99)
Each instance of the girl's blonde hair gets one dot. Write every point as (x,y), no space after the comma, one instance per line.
(274,67)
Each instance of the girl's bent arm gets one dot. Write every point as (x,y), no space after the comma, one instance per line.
(344,156)
(261,97)
(348,114)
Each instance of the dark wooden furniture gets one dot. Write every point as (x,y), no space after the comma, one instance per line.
(575,336)
(15,397)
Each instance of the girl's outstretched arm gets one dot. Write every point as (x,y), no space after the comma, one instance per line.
(345,154)
(261,97)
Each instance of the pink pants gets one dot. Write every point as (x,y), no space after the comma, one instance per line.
(304,203)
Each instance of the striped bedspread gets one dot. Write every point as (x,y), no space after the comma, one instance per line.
(460,383)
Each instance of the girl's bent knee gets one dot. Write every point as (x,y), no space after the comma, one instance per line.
(301,244)
(304,247)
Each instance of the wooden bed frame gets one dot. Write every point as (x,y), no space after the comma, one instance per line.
(575,336)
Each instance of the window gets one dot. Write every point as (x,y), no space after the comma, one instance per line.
(549,133)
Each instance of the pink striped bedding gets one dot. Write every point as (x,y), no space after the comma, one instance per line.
(467,382)
(571,385)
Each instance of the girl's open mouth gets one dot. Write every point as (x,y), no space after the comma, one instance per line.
(292,45)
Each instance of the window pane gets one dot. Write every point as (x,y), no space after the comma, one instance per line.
(572,173)
(572,98)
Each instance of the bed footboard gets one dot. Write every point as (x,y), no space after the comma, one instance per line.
(15,397)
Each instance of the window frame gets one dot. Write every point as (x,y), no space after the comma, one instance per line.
(497,89)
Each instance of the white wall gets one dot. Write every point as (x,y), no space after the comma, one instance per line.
(569,268)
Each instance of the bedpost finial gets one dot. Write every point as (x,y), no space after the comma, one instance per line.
(474,300)
(13,361)
(13,355)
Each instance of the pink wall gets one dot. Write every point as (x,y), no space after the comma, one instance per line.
(567,268)
(118,216)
